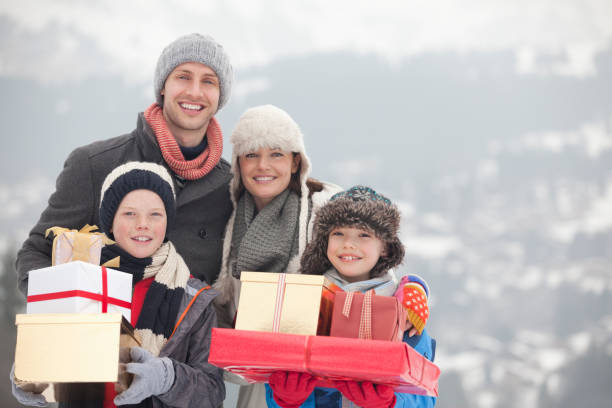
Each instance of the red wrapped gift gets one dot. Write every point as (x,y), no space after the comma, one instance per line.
(368,316)
(255,355)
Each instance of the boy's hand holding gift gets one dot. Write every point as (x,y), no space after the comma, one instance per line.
(152,376)
(413,294)
(32,398)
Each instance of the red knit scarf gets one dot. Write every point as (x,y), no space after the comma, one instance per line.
(187,169)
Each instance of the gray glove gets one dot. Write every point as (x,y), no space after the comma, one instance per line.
(26,397)
(152,376)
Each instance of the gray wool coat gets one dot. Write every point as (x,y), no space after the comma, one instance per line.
(203,206)
(197,383)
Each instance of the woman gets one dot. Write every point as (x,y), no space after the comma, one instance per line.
(274,202)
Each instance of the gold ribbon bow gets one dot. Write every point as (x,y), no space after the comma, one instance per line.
(82,243)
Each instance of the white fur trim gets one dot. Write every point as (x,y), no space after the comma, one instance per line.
(294,264)
(318,200)
(266,126)
(223,284)
(322,197)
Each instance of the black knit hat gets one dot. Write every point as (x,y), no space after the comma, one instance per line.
(135,176)
(359,207)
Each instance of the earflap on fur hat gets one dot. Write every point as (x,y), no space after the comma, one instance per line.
(358,207)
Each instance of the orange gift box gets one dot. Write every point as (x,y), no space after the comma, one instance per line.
(256,355)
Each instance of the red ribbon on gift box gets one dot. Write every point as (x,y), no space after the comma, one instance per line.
(103,298)
(280,297)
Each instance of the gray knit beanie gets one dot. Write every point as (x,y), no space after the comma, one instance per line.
(195,48)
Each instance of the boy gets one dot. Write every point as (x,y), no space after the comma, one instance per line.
(171,311)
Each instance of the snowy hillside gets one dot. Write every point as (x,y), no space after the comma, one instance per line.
(504,181)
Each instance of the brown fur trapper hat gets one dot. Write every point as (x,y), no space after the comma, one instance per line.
(359,207)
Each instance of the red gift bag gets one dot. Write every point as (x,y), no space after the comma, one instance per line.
(368,316)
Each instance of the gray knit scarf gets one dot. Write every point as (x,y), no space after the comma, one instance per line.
(384,285)
(265,241)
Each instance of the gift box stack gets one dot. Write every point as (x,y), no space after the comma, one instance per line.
(305,323)
(76,321)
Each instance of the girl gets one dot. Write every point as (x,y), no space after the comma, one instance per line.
(356,245)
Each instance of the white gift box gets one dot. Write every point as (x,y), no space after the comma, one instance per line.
(79,287)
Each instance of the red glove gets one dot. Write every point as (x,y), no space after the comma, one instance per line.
(291,389)
(366,394)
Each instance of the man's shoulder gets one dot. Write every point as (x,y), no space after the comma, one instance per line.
(101,156)
(105,146)
(224,165)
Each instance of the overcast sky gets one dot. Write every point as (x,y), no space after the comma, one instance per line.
(63,40)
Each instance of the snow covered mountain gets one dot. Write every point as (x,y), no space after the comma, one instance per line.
(504,181)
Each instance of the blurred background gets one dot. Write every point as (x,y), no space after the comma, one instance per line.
(488,122)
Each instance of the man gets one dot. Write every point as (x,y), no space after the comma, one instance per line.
(193,80)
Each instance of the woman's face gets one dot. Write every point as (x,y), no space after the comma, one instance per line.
(266,173)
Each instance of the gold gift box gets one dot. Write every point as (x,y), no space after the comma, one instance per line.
(82,245)
(76,352)
(299,313)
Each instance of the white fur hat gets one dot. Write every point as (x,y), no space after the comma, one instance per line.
(269,127)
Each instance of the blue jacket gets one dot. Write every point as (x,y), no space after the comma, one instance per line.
(331,398)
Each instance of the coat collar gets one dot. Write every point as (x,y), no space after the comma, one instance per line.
(187,190)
